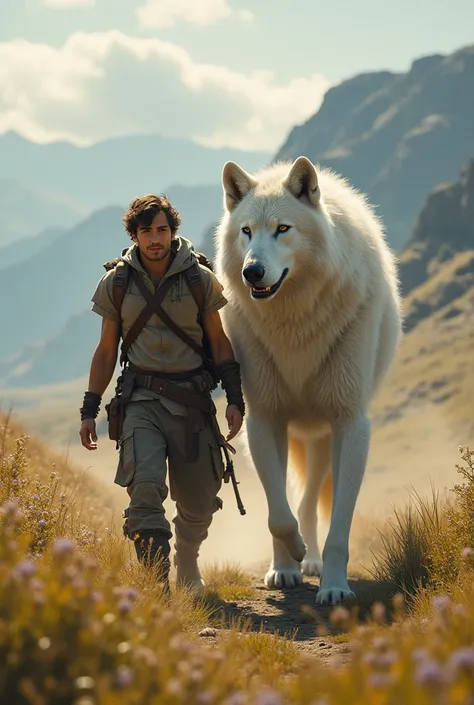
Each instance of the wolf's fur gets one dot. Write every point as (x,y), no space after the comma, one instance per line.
(312,355)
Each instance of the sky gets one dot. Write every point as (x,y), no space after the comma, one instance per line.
(225,73)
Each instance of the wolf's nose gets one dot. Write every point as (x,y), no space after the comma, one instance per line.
(254,273)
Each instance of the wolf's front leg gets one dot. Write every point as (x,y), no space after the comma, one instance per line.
(351,442)
(268,443)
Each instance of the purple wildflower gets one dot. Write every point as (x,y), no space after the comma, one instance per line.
(37,584)
(25,568)
(462,659)
(380,643)
(195,676)
(124,606)
(41,524)
(370,657)
(143,653)
(387,659)
(270,697)
(441,603)
(11,510)
(380,680)
(236,699)
(132,594)
(123,677)
(430,673)
(63,546)
(206,697)
(420,654)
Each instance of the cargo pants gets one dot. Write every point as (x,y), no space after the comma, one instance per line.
(152,441)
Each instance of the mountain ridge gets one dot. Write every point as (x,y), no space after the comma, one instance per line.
(399,137)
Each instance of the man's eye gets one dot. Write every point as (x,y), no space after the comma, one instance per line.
(283,228)
(246,230)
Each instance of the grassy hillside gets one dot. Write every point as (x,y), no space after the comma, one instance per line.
(84,624)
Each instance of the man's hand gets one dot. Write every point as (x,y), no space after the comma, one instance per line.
(88,434)
(234,421)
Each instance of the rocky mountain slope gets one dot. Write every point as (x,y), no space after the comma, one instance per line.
(395,136)
(437,263)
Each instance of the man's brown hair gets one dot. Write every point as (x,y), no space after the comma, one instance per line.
(141,212)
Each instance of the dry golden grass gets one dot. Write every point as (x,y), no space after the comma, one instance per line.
(82,623)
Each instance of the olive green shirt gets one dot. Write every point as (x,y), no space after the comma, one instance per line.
(156,347)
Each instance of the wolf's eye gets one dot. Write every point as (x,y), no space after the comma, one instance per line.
(283,228)
(247,230)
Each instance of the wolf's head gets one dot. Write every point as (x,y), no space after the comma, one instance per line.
(274,224)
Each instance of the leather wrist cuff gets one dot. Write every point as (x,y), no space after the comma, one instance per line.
(229,374)
(90,406)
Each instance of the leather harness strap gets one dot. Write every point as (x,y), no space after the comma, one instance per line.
(154,302)
(147,311)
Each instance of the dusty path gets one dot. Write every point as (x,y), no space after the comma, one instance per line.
(292,614)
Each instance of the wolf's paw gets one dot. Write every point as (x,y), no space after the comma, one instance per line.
(334,595)
(283,578)
(312,566)
(294,544)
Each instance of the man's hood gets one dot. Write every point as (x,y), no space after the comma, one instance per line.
(184,256)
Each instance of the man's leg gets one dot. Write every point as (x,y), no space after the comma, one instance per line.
(142,470)
(194,487)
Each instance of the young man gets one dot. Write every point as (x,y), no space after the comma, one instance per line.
(166,415)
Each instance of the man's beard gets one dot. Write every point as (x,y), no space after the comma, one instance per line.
(157,255)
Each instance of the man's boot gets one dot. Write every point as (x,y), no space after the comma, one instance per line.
(186,563)
(153,549)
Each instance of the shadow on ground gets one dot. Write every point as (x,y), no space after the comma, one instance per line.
(293,614)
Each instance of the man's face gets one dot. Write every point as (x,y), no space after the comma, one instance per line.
(154,241)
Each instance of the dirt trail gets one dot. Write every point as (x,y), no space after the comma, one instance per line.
(292,614)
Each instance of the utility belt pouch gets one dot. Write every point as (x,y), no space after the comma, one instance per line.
(116,407)
(115,417)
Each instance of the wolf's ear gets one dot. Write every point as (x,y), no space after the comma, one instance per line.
(302,181)
(236,183)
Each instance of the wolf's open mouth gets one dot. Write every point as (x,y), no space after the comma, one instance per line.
(267,291)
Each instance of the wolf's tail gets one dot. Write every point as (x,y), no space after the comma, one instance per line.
(297,467)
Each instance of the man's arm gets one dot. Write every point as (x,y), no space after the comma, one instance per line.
(221,346)
(105,357)
(102,369)
(228,369)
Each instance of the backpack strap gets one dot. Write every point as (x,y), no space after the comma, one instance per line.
(194,281)
(120,283)
(120,280)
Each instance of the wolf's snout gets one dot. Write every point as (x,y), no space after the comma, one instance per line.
(254,273)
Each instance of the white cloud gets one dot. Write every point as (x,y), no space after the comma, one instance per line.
(165,13)
(246,15)
(66,4)
(109,84)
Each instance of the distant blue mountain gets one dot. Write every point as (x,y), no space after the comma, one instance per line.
(26,210)
(114,171)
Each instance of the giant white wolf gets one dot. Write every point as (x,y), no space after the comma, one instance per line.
(314,316)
